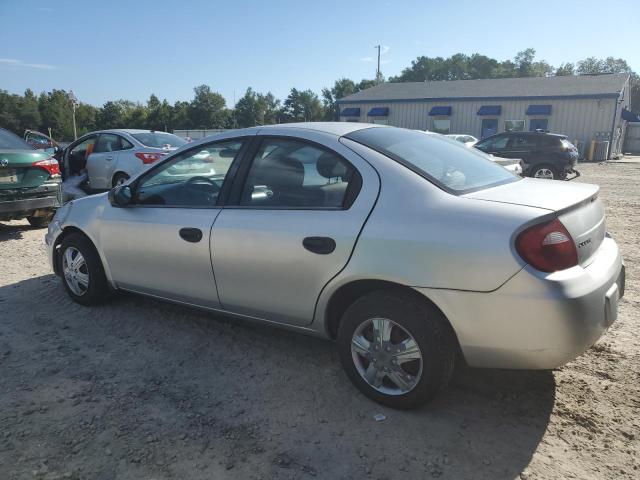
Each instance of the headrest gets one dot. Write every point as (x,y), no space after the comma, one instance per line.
(279,173)
(329,166)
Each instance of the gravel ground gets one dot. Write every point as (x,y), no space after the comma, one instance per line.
(139,389)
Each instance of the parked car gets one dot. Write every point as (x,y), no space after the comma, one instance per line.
(41,141)
(544,155)
(29,181)
(404,248)
(111,157)
(468,140)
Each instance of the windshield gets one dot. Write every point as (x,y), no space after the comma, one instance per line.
(445,162)
(159,139)
(10,141)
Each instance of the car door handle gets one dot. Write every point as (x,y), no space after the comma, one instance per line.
(193,235)
(320,245)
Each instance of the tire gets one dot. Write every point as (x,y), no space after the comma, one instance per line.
(543,170)
(40,222)
(410,318)
(95,289)
(119,178)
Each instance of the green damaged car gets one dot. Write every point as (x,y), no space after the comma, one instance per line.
(29,182)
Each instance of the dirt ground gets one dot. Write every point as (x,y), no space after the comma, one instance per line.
(139,389)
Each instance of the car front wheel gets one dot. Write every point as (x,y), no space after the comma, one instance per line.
(119,179)
(546,172)
(396,349)
(82,272)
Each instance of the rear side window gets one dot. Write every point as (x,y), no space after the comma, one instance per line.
(10,141)
(108,142)
(294,174)
(524,141)
(449,164)
(159,139)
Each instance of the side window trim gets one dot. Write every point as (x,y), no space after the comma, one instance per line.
(224,190)
(241,177)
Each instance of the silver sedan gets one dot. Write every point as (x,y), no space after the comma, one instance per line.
(409,250)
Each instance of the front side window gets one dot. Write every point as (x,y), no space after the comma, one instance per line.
(191,179)
(514,125)
(493,143)
(448,164)
(441,125)
(294,174)
(524,142)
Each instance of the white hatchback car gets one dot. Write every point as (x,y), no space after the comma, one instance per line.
(111,157)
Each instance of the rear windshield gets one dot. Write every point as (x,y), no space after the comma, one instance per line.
(445,162)
(159,139)
(10,141)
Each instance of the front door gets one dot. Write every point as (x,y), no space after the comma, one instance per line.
(489,127)
(159,245)
(290,227)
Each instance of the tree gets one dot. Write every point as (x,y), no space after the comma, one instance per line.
(109,116)
(565,69)
(207,109)
(29,114)
(341,88)
(302,106)
(56,113)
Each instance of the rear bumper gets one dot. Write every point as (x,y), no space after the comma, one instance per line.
(22,207)
(537,320)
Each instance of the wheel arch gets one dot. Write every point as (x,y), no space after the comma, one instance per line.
(348,293)
(66,231)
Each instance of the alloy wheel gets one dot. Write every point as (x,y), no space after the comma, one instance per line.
(545,173)
(386,356)
(76,273)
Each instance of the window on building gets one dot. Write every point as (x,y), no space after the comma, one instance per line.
(441,125)
(514,125)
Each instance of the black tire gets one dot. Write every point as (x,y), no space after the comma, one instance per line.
(537,168)
(98,289)
(40,222)
(119,178)
(423,322)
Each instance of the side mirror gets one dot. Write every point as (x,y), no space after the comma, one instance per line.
(120,196)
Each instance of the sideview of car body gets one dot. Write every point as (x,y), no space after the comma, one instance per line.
(403,247)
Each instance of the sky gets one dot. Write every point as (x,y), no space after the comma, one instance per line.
(106,50)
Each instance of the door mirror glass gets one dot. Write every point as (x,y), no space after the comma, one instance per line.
(120,196)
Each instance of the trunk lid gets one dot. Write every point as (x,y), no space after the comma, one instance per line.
(576,205)
(17,170)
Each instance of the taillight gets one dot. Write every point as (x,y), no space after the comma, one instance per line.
(148,157)
(49,164)
(547,247)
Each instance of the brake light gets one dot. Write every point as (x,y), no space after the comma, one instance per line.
(547,247)
(148,157)
(49,164)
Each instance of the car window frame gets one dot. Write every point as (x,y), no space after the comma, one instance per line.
(79,141)
(516,135)
(226,184)
(241,177)
(108,133)
(493,137)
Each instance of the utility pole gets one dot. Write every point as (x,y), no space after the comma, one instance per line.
(378,73)
(74,102)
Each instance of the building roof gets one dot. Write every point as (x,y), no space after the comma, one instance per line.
(495,88)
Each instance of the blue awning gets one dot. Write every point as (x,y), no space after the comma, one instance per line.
(350,112)
(440,111)
(539,110)
(494,110)
(629,116)
(378,112)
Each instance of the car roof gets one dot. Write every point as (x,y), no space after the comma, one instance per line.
(534,133)
(334,128)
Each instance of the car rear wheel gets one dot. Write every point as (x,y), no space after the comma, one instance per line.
(40,222)
(82,272)
(547,172)
(119,179)
(396,349)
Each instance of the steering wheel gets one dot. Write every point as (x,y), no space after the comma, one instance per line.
(201,179)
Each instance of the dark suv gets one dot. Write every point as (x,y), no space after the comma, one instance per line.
(543,155)
(29,181)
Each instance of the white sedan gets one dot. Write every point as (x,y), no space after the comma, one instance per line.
(468,140)
(111,157)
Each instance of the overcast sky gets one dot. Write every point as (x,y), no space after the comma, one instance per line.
(129,49)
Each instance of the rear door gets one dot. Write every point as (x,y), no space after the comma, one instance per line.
(100,163)
(523,146)
(296,210)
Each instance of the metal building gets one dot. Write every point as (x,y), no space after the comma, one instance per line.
(585,108)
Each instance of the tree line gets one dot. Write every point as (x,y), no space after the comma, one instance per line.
(208,109)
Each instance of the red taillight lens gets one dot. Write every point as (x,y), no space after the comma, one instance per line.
(49,164)
(147,157)
(547,247)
